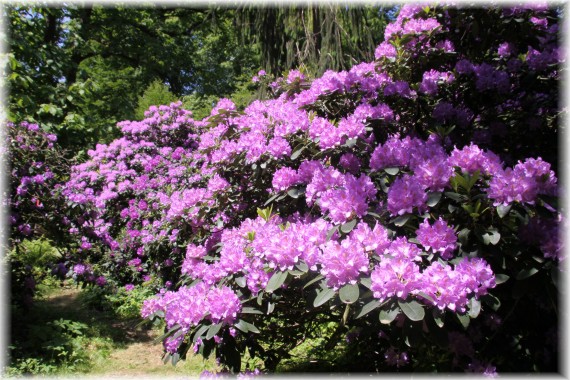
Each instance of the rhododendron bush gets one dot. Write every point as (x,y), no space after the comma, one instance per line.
(38,212)
(402,213)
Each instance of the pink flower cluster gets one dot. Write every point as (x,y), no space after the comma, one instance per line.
(190,305)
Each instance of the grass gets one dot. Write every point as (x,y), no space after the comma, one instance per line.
(63,335)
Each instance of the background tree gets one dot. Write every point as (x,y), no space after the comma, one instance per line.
(79,70)
(317,38)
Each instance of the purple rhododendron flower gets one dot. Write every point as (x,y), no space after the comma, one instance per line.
(405,194)
(396,277)
(438,237)
(342,263)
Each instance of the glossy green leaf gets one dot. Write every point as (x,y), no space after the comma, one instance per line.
(200,332)
(503,210)
(250,310)
(331,232)
(317,278)
(175,358)
(348,226)
(323,296)
(491,301)
(401,220)
(388,315)
(463,319)
(349,293)
(297,153)
(426,296)
(274,197)
(276,281)
(491,237)
(302,266)
(241,281)
(213,330)
(526,273)
(294,193)
(246,326)
(438,317)
(433,199)
(366,281)
(350,143)
(412,309)
(501,278)
(474,308)
(392,171)
(374,304)
(455,197)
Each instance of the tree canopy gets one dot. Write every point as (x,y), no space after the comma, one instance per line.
(79,69)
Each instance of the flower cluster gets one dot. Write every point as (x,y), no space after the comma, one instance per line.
(363,183)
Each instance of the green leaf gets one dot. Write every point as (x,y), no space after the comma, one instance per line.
(492,237)
(491,301)
(387,316)
(526,273)
(350,143)
(366,281)
(213,330)
(297,153)
(331,232)
(474,308)
(323,297)
(349,293)
(500,278)
(503,210)
(454,196)
(241,281)
(348,226)
(401,220)
(276,281)
(433,198)
(200,332)
(463,236)
(294,193)
(271,199)
(427,297)
(246,327)
(392,171)
(175,358)
(251,327)
(374,304)
(463,319)
(438,316)
(250,310)
(373,214)
(318,278)
(302,266)
(413,310)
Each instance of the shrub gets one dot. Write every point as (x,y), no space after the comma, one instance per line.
(397,203)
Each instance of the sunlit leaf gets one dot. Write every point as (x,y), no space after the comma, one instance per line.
(276,281)
(349,293)
(323,296)
(412,309)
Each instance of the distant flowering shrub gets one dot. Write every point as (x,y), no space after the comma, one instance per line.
(392,200)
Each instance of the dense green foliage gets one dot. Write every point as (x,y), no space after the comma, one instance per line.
(78,70)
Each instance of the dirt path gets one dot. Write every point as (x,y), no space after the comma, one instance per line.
(136,354)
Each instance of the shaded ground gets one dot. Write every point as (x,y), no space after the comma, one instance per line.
(134,352)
